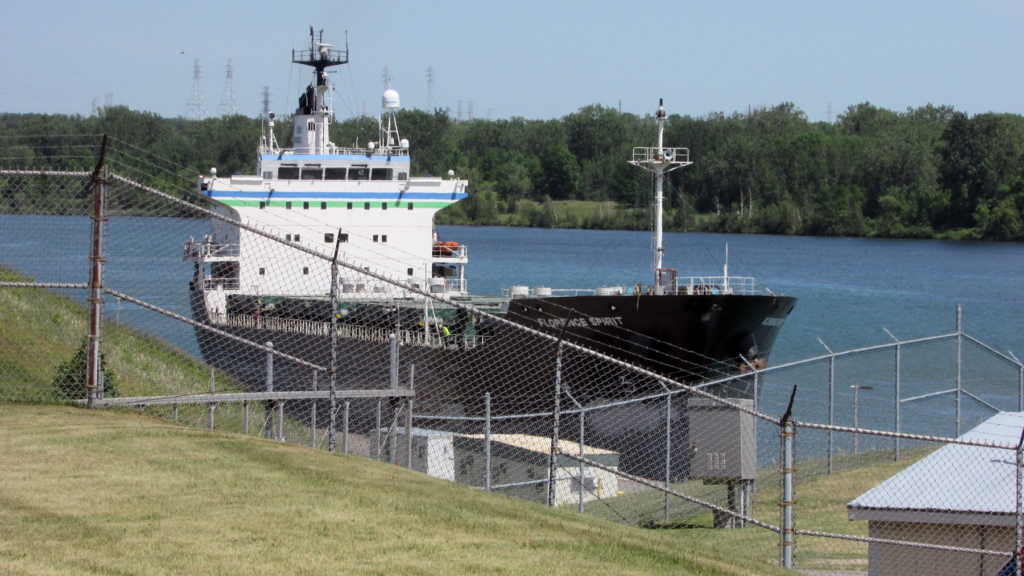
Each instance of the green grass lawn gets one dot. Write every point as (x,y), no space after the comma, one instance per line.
(40,329)
(93,492)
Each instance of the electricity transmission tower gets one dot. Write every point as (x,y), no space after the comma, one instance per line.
(108,100)
(196,107)
(470,111)
(265,100)
(460,111)
(431,103)
(228,101)
(386,77)
(829,112)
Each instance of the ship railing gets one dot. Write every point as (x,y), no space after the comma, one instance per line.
(453,252)
(718,285)
(353,331)
(210,250)
(450,285)
(210,283)
(543,292)
(666,155)
(389,151)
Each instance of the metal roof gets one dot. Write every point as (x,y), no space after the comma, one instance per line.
(954,484)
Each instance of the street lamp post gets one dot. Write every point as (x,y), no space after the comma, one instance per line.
(857,389)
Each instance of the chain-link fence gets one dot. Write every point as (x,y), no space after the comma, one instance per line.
(121,287)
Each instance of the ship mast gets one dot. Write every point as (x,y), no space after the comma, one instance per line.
(660,160)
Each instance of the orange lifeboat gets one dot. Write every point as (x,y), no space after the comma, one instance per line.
(445,249)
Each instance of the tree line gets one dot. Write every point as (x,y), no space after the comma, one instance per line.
(923,173)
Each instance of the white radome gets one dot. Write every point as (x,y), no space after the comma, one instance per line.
(390,99)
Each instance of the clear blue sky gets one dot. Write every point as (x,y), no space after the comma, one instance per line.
(523,58)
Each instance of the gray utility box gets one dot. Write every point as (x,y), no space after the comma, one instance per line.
(722,441)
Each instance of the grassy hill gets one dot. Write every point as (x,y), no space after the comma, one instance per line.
(88,492)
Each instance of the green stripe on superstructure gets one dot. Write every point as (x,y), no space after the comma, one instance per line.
(314,205)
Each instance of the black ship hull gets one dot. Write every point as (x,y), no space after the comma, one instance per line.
(686,338)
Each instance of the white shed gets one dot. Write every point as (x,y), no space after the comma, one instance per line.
(962,496)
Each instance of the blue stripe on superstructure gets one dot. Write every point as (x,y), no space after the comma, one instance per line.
(310,157)
(338,195)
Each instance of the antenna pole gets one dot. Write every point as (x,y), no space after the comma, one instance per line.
(658,192)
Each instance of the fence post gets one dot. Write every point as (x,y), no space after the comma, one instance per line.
(831,409)
(583,422)
(175,412)
(553,463)
(268,425)
(312,418)
(408,417)
(831,403)
(1020,386)
(392,430)
(376,446)
(959,350)
(212,405)
(94,370)
(668,447)
(786,435)
(245,417)
(487,441)
(344,428)
(280,421)
(332,431)
(899,423)
(1019,527)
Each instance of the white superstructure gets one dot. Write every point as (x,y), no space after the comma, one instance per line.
(363,201)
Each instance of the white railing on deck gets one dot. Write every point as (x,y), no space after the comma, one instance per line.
(718,285)
(331,149)
(450,252)
(209,249)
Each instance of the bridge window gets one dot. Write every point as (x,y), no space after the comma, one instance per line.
(268,175)
(366,206)
(288,205)
(410,205)
(263,271)
(305,270)
(381,174)
(305,205)
(329,238)
(323,205)
(375,237)
(263,205)
(312,173)
(403,175)
(296,237)
(349,205)
(343,237)
(359,174)
(409,271)
(287,237)
(334,173)
(383,205)
(384,238)
(288,173)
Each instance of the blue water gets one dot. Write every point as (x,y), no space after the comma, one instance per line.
(848,288)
